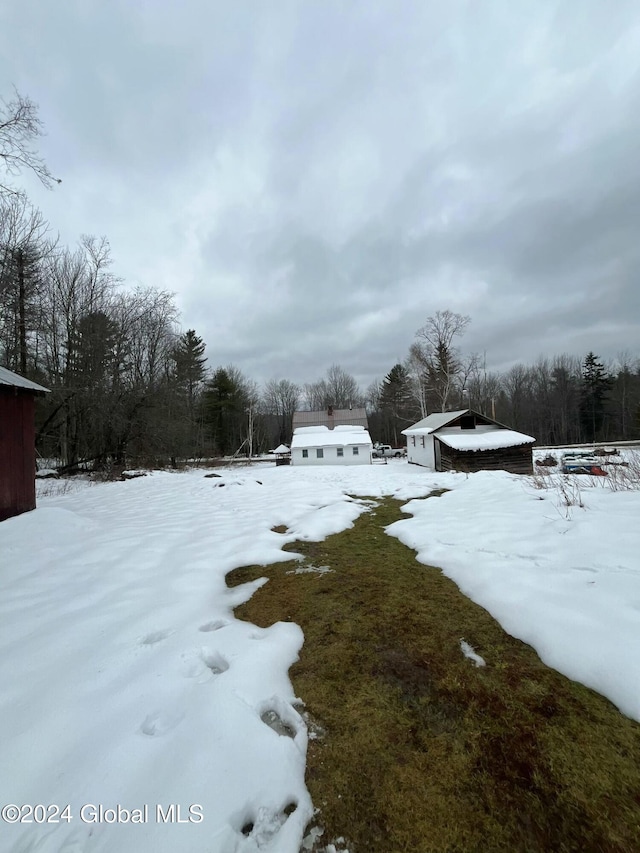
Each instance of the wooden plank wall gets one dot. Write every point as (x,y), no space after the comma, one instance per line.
(517,460)
(17,453)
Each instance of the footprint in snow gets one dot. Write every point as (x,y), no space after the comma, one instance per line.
(263,826)
(280,716)
(272,719)
(196,664)
(155,637)
(161,722)
(215,662)
(215,625)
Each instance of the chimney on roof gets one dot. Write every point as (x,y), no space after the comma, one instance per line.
(330,411)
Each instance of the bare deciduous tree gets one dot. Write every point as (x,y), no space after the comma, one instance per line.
(19,127)
(372,396)
(280,399)
(435,358)
(342,388)
(516,385)
(338,389)
(77,308)
(315,395)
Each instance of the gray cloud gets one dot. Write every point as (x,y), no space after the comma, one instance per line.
(314,179)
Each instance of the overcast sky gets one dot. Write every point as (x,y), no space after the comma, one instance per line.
(313,179)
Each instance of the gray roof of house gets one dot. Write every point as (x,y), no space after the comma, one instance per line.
(340,417)
(14,380)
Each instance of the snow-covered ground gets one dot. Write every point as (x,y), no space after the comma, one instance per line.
(126,681)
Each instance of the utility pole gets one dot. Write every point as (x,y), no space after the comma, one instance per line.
(250,411)
(484,384)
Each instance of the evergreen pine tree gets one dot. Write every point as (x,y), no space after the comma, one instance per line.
(595,388)
(188,374)
(396,402)
(189,363)
(225,403)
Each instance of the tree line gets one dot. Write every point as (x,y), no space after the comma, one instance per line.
(129,387)
(562,399)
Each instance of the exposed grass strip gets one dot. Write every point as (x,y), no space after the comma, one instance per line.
(422,751)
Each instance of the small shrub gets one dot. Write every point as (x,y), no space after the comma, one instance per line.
(624,476)
(567,489)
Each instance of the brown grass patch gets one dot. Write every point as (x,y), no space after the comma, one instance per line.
(422,751)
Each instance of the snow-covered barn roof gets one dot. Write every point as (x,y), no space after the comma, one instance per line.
(282,448)
(321,436)
(14,380)
(487,434)
(489,438)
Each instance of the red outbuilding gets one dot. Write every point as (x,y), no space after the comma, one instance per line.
(17,443)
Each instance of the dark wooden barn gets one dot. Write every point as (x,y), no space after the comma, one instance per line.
(517,460)
(467,440)
(17,443)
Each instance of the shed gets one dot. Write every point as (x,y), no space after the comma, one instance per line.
(466,440)
(17,443)
(282,454)
(343,445)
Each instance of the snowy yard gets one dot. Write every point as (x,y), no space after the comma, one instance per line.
(126,681)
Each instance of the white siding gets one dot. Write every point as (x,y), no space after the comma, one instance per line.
(330,456)
(418,454)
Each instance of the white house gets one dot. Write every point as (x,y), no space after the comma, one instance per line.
(343,445)
(468,441)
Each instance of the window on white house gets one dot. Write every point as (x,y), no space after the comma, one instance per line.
(305,454)
(423,441)
(320,453)
(355,451)
(413,440)
(340,451)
